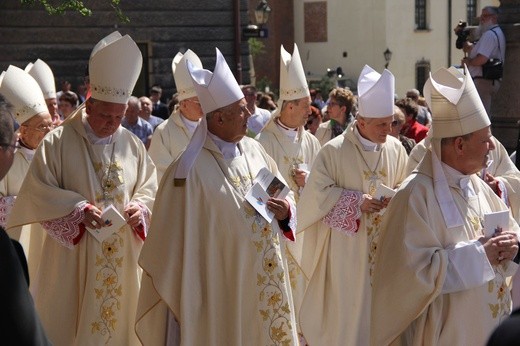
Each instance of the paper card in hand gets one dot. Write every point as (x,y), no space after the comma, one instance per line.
(383,192)
(496,222)
(112,220)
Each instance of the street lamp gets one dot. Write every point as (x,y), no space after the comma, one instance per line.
(262,12)
(388,56)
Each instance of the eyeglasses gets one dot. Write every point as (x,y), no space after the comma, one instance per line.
(396,123)
(332,104)
(42,128)
(15,147)
(194,101)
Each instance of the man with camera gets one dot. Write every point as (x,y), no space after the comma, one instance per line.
(491,45)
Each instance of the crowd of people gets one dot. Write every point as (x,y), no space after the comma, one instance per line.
(135,222)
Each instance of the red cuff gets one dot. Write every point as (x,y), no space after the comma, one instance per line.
(82,230)
(140,232)
(284,226)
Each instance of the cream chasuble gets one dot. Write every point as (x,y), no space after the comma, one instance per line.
(31,237)
(169,139)
(288,154)
(213,260)
(336,305)
(412,264)
(86,295)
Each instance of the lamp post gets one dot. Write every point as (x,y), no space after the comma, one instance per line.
(388,56)
(262,12)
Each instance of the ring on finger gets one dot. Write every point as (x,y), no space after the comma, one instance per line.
(94,223)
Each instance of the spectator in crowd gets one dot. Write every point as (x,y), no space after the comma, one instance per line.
(67,103)
(146,112)
(339,107)
(397,125)
(412,128)
(259,116)
(491,45)
(159,109)
(423,114)
(135,124)
(314,120)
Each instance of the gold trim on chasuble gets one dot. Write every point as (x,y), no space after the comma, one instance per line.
(273,302)
(498,288)
(373,219)
(293,163)
(109,262)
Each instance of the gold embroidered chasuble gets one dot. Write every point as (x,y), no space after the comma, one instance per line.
(288,155)
(336,305)
(87,295)
(412,265)
(217,265)
(169,139)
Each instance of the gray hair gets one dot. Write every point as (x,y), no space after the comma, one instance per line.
(491,9)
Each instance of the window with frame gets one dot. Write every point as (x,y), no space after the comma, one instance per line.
(420,15)
(422,72)
(471,12)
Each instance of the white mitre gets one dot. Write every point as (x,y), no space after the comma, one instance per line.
(114,67)
(376,93)
(23,92)
(218,89)
(42,73)
(215,90)
(454,103)
(457,110)
(182,77)
(293,84)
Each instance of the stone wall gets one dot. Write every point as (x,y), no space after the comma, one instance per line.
(160,27)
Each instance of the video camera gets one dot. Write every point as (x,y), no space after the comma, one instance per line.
(463,32)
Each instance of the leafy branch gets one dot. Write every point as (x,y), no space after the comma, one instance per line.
(76,6)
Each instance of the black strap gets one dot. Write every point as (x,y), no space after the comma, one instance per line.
(498,41)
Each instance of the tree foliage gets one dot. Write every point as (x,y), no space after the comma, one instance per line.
(60,7)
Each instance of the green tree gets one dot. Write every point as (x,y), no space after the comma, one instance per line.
(60,7)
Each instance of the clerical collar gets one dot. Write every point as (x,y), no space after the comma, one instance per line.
(289,132)
(93,139)
(455,178)
(28,153)
(367,144)
(190,124)
(228,149)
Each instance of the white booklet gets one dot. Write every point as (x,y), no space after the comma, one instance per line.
(112,222)
(266,185)
(383,192)
(496,222)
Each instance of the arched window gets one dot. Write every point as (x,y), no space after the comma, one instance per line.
(420,15)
